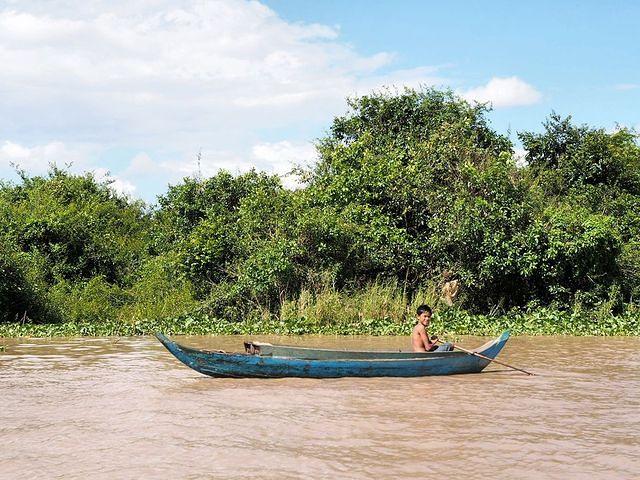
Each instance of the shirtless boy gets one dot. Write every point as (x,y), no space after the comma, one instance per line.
(420,337)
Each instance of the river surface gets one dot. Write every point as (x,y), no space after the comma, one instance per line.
(124,408)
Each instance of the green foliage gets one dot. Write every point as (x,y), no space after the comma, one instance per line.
(187,204)
(568,156)
(378,302)
(590,181)
(207,253)
(448,323)
(216,224)
(630,268)
(390,168)
(270,272)
(93,301)
(411,190)
(18,296)
(580,253)
(158,292)
(70,245)
(78,225)
(483,237)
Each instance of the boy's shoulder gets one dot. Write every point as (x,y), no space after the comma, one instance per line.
(418,327)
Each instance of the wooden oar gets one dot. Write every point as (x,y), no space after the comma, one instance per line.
(486,358)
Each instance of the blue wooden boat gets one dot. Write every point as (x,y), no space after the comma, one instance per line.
(241,365)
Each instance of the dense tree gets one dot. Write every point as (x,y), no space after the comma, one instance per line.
(590,180)
(393,164)
(233,236)
(79,226)
(67,229)
(411,189)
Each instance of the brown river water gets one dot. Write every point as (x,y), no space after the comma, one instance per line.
(109,408)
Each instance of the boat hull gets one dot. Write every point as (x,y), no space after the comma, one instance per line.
(243,365)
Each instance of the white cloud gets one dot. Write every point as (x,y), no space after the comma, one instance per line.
(141,164)
(504,92)
(520,157)
(38,158)
(116,183)
(276,158)
(281,157)
(626,86)
(176,72)
(284,152)
(83,78)
(143,168)
(211,162)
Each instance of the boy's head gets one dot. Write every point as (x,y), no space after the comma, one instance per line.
(423,313)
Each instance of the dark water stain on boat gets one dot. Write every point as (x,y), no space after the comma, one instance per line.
(93,407)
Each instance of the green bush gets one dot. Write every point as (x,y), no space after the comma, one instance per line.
(630,268)
(411,190)
(159,292)
(93,301)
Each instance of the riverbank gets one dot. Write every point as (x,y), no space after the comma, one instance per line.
(448,322)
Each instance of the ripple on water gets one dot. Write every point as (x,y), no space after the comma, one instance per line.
(124,408)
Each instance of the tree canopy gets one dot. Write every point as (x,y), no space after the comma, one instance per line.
(413,188)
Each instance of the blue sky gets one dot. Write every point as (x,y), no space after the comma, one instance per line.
(137,89)
(579,54)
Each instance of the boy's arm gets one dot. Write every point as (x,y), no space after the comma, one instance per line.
(425,339)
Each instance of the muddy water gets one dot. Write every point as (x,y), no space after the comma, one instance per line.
(108,408)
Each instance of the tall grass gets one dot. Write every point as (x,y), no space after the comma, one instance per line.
(158,293)
(379,309)
(379,301)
